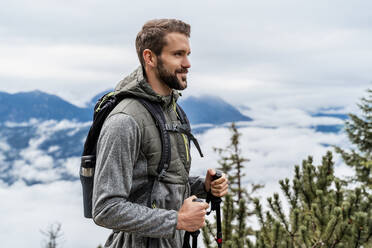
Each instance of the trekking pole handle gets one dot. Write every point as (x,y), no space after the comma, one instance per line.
(217,175)
(215,202)
(194,234)
(210,197)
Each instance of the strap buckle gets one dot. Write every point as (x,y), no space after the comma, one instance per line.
(163,172)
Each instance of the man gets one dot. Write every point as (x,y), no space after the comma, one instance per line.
(129,151)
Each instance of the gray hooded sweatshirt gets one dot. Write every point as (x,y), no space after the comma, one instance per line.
(128,152)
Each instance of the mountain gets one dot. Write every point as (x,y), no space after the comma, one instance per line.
(211,109)
(95,98)
(332,115)
(328,128)
(21,107)
(200,110)
(42,135)
(332,112)
(24,106)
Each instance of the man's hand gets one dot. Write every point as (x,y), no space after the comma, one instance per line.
(191,216)
(218,187)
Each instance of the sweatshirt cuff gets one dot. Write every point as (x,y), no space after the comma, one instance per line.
(174,231)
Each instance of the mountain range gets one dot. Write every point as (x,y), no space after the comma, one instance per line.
(24,106)
(42,135)
(40,132)
(21,107)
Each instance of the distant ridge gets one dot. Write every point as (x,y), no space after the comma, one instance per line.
(95,98)
(59,141)
(23,106)
(211,109)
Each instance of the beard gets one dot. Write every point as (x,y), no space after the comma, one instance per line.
(169,78)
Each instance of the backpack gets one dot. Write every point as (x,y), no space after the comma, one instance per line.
(102,109)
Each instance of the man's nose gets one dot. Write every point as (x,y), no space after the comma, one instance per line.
(186,63)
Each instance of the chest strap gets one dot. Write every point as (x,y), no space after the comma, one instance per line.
(184,129)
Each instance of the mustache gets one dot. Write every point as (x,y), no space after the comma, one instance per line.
(182,70)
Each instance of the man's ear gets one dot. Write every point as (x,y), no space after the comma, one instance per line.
(149,57)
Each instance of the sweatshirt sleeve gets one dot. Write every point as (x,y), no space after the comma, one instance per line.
(197,187)
(118,148)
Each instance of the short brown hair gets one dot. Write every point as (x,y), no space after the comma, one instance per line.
(153,32)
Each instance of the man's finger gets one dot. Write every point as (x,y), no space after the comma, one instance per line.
(219,184)
(206,205)
(192,197)
(220,180)
(221,193)
(220,188)
(211,172)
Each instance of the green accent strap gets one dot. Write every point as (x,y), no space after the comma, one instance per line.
(104,99)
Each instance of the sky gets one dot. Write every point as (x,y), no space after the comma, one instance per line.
(276,60)
(279,52)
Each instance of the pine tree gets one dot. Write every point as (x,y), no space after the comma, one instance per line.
(359,131)
(235,210)
(52,234)
(323,212)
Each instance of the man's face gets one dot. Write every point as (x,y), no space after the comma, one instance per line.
(173,63)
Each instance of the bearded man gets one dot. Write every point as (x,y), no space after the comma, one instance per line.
(129,150)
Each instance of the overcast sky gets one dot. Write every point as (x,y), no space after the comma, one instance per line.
(307,53)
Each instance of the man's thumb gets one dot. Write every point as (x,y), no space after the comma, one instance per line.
(211,172)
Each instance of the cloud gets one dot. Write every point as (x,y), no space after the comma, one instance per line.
(40,170)
(272,116)
(63,61)
(299,53)
(4,146)
(27,210)
(53,149)
(49,125)
(273,151)
(35,163)
(71,165)
(275,141)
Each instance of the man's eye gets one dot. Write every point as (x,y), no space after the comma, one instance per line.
(178,54)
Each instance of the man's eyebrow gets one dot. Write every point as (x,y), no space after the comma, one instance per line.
(182,51)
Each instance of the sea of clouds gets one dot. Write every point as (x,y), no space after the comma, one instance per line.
(274,142)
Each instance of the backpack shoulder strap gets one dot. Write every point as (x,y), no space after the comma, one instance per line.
(159,118)
(158,115)
(185,128)
(102,109)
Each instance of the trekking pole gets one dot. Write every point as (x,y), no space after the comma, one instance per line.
(186,242)
(215,205)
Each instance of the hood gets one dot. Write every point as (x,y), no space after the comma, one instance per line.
(136,85)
